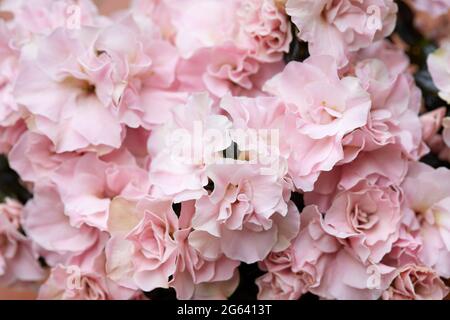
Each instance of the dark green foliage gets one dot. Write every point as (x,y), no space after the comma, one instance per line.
(10,185)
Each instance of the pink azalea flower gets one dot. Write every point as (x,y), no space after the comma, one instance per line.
(83,277)
(340,27)
(282,285)
(226,50)
(258,28)
(331,270)
(367,219)
(407,248)
(225,69)
(432,123)
(439,66)
(284,280)
(259,131)
(195,276)
(166,142)
(18,259)
(396,101)
(33,157)
(9,55)
(9,136)
(182,148)
(430,200)
(414,282)
(322,109)
(87,184)
(150,245)
(100,76)
(384,168)
(265,28)
(247,215)
(46,223)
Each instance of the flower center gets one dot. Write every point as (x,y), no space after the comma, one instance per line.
(91,290)
(85,86)
(362,219)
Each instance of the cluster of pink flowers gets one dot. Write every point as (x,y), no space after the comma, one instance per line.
(121,127)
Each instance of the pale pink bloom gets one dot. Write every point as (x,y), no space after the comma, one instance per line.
(330,269)
(439,66)
(195,276)
(159,12)
(223,51)
(396,101)
(10,135)
(258,28)
(429,198)
(281,282)
(83,277)
(34,158)
(387,52)
(436,144)
(282,285)
(18,259)
(196,30)
(145,91)
(313,248)
(266,29)
(346,278)
(157,104)
(182,148)
(339,27)
(150,245)
(321,109)
(247,215)
(413,282)
(92,71)
(258,131)
(432,123)
(218,69)
(407,248)
(12,210)
(142,252)
(9,56)
(432,7)
(367,219)
(46,223)
(88,183)
(278,261)
(220,290)
(62,285)
(51,94)
(384,167)
(148,251)
(440,144)
(136,143)
(225,69)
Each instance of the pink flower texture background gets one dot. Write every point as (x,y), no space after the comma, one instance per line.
(269,149)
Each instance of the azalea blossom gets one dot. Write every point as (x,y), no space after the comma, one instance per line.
(338,28)
(212,149)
